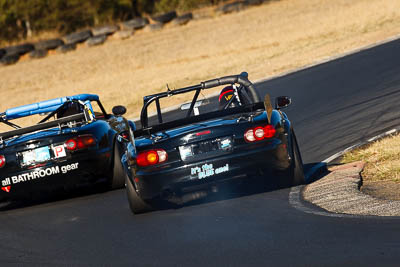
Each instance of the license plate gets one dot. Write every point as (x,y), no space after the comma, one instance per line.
(204,148)
(38,155)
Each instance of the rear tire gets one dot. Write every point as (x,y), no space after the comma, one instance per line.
(136,204)
(295,174)
(118,177)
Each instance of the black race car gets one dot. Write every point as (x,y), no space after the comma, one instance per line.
(74,143)
(185,154)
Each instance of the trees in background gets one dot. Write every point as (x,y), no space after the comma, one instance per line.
(22,18)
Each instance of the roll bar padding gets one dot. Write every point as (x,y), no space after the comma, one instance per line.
(240,79)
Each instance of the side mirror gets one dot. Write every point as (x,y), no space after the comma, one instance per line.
(119,110)
(282,102)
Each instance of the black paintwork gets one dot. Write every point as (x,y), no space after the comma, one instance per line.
(92,164)
(174,178)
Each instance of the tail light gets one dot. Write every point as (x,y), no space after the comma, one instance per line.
(259,133)
(2,161)
(80,142)
(151,157)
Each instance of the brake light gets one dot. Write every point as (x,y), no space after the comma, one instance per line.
(259,133)
(151,157)
(269,131)
(203,133)
(80,142)
(2,161)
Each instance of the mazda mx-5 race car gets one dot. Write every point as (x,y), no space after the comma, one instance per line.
(188,153)
(74,143)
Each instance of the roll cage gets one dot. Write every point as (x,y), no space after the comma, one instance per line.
(241,79)
(67,111)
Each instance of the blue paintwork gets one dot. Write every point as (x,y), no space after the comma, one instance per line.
(45,106)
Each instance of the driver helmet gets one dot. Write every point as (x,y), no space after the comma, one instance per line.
(226,95)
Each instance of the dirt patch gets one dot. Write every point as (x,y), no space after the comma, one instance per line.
(383,189)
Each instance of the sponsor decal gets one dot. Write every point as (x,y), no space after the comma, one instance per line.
(37,174)
(228,97)
(208,170)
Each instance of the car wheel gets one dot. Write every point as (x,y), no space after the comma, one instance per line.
(295,174)
(136,204)
(118,177)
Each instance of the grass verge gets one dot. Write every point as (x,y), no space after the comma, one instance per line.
(381,158)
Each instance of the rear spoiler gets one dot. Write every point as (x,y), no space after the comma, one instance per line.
(70,121)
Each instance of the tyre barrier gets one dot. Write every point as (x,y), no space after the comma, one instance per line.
(255,2)
(105,30)
(66,48)
(96,40)
(19,49)
(78,37)
(165,18)
(9,59)
(2,52)
(135,24)
(124,34)
(153,27)
(232,7)
(48,44)
(183,19)
(39,53)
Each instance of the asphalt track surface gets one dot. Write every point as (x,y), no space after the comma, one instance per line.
(335,105)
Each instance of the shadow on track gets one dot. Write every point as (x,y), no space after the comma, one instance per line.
(39,198)
(237,188)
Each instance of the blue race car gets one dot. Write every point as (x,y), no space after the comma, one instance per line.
(75,142)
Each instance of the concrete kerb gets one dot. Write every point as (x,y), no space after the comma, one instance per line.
(338,192)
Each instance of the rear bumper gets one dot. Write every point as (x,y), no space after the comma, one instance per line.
(78,170)
(157,183)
